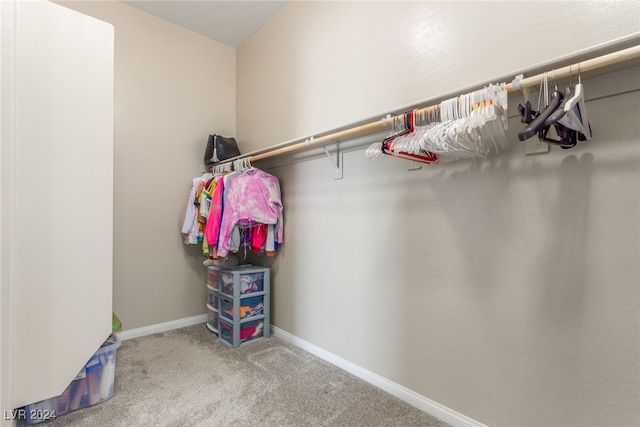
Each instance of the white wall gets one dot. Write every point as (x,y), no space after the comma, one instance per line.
(505,289)
(7,146)
(172,88)
(320,65)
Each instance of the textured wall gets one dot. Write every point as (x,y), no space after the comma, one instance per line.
(172,88)
(320,65)
(505,289)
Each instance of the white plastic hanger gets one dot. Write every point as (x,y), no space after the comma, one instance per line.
(576,112)
(246,163)
(469,126)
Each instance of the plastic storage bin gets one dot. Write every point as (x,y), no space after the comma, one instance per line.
(212,324)
(239,334)
(212,296)
(239,309)
(213,274)
(238,281)
(93,385)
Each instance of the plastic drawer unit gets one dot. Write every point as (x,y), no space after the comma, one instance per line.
(243,305)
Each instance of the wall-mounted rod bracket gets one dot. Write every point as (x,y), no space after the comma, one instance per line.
(337,163)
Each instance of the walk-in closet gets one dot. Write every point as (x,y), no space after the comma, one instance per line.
(432,217)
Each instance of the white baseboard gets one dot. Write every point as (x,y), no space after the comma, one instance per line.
(162,327)
(412,398)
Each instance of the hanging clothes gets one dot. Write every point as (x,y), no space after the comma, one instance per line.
(252,198)
(212,229)
(188,215)
(190,228)
(205,203)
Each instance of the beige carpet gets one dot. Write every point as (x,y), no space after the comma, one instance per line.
(186,377)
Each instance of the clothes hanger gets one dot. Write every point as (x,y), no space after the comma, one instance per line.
(373,151)
(561,124)
(247,164)
(560,113)
(387,142)
(494,117)
(538,123)
(377,149)
(576,111)
(570,121)
(409,125)
(446,139)
(410,143)
(527,113)
(568,137)
(472,125)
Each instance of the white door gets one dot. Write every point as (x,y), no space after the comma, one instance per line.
(62,196)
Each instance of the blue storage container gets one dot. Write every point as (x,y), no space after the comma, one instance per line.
(93,385)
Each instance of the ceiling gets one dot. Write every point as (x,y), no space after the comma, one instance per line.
(230,22)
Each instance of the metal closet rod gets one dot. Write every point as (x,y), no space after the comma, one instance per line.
(379,125)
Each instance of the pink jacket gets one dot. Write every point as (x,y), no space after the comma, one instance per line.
(252,198)
(212,229)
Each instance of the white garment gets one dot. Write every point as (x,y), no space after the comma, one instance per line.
(235,239)
(190,217)
(270,243)
(205,203)
(190,226)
